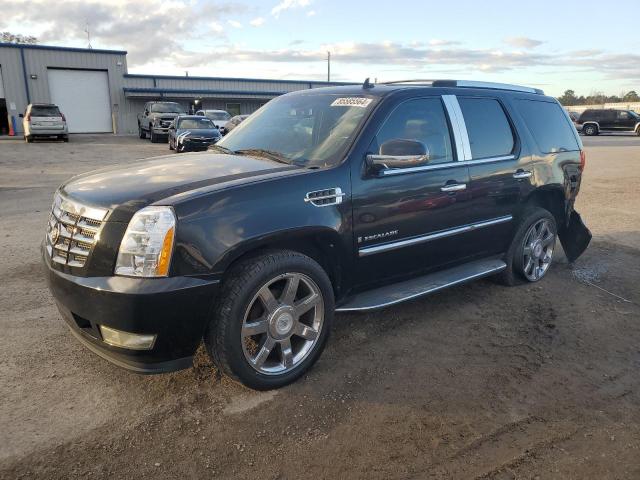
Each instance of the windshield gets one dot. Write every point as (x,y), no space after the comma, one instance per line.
(217,115)
(634,115)
(196,123)
(312,130)
(166,108)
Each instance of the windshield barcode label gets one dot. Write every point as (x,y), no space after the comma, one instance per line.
(351,102)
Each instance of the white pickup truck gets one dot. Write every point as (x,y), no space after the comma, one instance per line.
(156,118)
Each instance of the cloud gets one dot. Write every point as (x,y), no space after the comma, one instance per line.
(234,23)
(311,13)
(148,29)
(257,22)
(436,42)
(522,42)
(288,5)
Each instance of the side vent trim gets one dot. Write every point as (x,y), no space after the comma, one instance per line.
(325,198)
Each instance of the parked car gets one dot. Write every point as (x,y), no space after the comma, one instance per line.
(593,121)
(191,133)
(234,122)
(44,120)
(384,194)
(156,118)
(219,117)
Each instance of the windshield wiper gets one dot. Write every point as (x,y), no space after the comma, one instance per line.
(259,152)
(222,149)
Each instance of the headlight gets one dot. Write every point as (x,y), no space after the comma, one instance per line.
(145,250)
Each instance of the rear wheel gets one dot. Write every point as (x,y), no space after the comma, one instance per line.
(65,138)
(28,138)
(141,132)
(531,252)
(272,320)
(590,129)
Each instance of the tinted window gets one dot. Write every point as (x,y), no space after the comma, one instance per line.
(45,111)
(489,131)
(422,120)
(590,115)
(548,125)
(166,108)
(623,115)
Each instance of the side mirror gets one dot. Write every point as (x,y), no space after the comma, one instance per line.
(399,153)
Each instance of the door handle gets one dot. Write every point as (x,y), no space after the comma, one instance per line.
(522,174)
(454,187)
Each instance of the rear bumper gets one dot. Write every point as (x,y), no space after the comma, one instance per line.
(176,309)
(47,131)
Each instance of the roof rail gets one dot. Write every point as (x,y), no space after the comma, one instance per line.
(468,84)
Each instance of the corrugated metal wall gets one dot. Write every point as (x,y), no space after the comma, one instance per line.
(125,106)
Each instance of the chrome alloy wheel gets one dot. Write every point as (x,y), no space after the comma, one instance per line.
(282,323)
(538,250)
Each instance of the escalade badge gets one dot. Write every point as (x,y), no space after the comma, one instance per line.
(378,236)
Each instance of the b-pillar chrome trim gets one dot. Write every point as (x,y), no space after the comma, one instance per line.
(366,251)
(463,146)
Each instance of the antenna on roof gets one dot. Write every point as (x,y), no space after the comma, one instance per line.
(87,30)
(367,84)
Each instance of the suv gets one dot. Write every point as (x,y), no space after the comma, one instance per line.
(219,117)
(156,119)
(592,121)
(44,120)
(340,199)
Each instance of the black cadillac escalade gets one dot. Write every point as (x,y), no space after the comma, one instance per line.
(335,199)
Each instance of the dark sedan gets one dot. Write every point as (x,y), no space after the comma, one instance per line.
(192,133)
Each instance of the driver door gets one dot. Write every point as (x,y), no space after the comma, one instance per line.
(405,218)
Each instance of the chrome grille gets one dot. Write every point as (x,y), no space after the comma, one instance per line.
(72,231)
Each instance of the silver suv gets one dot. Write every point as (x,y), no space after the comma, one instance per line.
(44,120)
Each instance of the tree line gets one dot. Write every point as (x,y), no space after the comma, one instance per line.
(597,98)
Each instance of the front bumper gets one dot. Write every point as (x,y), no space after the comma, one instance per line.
(176,309)
(189,145)
(160,130)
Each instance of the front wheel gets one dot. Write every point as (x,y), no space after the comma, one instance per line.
(152,136)
(272,320)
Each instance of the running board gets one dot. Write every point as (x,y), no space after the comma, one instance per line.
(417,287)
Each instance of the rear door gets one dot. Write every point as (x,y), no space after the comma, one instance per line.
(608,120)
(499,171)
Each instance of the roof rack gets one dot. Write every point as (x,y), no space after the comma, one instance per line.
(468,84)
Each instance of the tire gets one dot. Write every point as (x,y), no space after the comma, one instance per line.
(65,138)
(590,130)
(520,251)
(141,133)
(255,288)
(28,138)
(152,136)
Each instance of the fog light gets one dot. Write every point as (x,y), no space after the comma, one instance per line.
(133,341)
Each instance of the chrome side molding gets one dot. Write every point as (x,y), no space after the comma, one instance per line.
(385,247)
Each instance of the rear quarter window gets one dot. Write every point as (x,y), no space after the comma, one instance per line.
(549,126)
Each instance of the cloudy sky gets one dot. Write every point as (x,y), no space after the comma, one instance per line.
(554,45)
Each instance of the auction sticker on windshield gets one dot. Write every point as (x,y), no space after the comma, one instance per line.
(351,102)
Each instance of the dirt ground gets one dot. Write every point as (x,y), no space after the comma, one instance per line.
(480,381)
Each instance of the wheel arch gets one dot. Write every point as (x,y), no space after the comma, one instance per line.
(591,122)
(322,244)
(552,199)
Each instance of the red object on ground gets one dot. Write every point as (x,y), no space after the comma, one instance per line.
(12,130)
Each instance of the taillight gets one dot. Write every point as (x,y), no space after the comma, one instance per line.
(583,160)
(63,118)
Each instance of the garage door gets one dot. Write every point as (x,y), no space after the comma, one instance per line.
(83,97)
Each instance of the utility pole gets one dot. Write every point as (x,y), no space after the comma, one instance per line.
(328,66)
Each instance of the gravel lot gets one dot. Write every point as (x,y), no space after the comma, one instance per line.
(480,381)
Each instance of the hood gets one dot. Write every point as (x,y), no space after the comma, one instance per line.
(199,133)
(126,189)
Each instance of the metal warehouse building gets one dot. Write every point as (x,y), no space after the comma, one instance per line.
(97,94)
